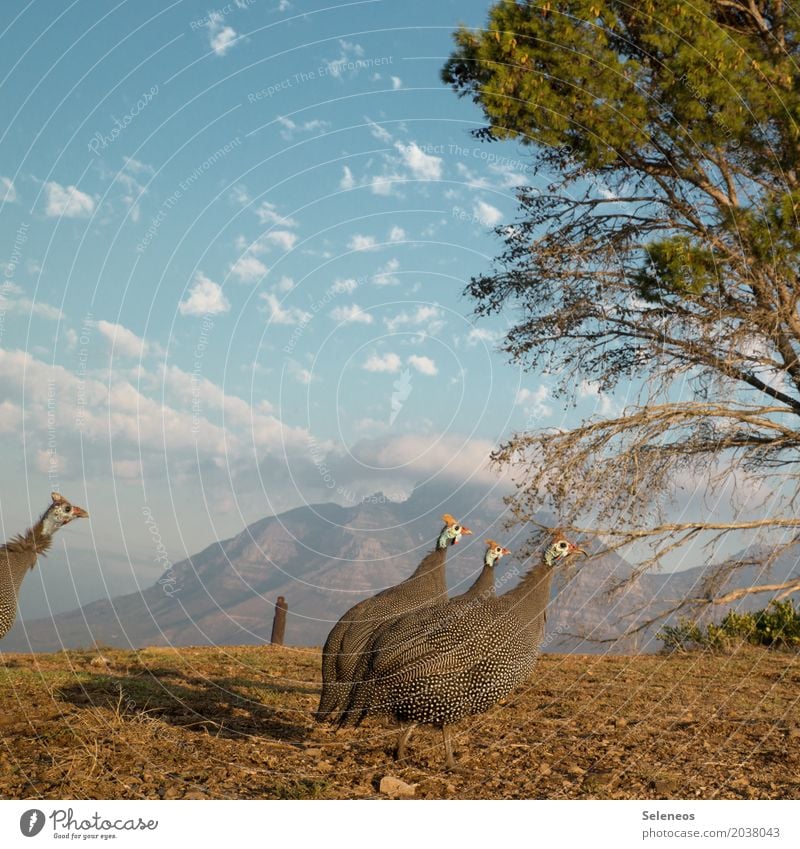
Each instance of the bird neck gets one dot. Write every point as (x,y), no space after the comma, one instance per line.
(37,538)
(433,562)
(529,599)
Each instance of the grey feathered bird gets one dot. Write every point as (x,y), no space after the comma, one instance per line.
(483,586)
(438,665)
(19,554)
(347,639)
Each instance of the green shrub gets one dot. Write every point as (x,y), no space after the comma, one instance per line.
(776,626)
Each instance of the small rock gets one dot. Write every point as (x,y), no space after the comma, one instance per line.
(314,753)
(395,788)
(620,722)
(99,661)
(575,770)
(544,769)
(451,789)
(665,787)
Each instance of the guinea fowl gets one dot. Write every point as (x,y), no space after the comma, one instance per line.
(483,586)
(19,554)
(439,665)
(347,639)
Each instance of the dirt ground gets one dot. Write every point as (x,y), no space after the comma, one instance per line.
(231,723)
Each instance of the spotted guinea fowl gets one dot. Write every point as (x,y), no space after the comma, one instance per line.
(439,665)
(351,633)
(483,586)
(19,554)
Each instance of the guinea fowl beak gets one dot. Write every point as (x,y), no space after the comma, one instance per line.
(576,550)
(506,551)
(465,530)
(79,512)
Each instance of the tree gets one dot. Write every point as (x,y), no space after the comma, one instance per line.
(665,253)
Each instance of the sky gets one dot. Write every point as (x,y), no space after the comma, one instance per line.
(235,242)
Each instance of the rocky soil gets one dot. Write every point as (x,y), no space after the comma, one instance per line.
(235,722)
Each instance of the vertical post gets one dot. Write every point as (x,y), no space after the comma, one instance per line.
(279,622)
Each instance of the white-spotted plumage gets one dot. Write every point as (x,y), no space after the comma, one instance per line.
(453,660)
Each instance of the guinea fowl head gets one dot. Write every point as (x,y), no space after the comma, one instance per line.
(451,532)
(494,552)
(560,549)
(60,513)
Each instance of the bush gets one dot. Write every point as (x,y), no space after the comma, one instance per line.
(776,626)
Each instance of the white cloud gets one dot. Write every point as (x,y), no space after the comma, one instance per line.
(285,284)
(290,127)
(385,275)
(268,214)
(347,181)
(385,184)
(350,51)
(300,373)
(478,335)
(248,269)
(360,242)
(424,166)
(124,341)
(397,234)
(240,195)
(352,314)
(387,363)
(169,416)
(425,315)
(8,192)
(487,214)
(221,37)
(13,300)
(282,238)
(67,202)
(396,83)
(279,314)
(604,404)
(205,298)
(344,287)
(378,131)
(424,365)
(534,401)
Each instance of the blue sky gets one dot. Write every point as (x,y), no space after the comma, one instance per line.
(235,239)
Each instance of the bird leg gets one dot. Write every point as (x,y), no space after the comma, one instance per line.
(402,742)
(449,763)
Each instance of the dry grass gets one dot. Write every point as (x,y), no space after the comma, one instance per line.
(236,723)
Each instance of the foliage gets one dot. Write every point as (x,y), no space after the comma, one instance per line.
(657,250)
(776,626)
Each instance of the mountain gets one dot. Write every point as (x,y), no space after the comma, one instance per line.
(324,558)
(321,558)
